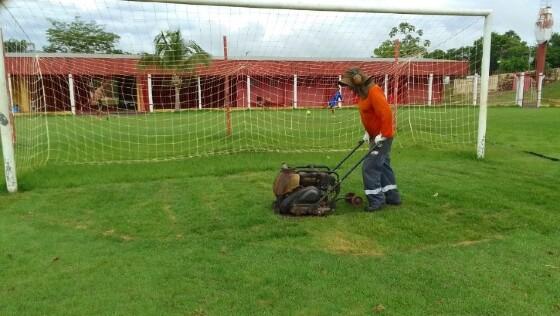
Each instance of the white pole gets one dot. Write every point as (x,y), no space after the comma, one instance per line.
(430,88)
(485,71)
(539,89)
(340,91)
(199,90)
(517,89)
(72,96)
(396,89)
(150,95)
(343,6)
(521,89)
(386,85)
(248,91)
(6,127)
(295,91)
(11,92)
(475,89)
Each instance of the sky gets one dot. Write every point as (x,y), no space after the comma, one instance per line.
(266,33)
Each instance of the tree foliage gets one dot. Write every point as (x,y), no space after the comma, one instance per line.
(80,37)
(411,42)
(13,45)
(553,54)
(508,53)
(177,55)
(174,53)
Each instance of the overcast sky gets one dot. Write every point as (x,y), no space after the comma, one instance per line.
(277,33)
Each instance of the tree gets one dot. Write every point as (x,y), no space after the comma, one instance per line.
(512,53)
(553,54)
(80,37)
(461,53)
(437,54)
(508,53)
(411,43)
(18,46)
(173,53)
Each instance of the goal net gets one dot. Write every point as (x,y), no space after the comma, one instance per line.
(119,81)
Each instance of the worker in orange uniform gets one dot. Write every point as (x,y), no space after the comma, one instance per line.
(379,179)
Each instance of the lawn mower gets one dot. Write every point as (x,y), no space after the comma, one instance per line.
(313,189)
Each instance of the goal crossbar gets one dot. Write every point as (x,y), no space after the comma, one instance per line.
(347,6)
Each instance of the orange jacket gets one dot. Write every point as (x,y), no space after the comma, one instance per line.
(376,114)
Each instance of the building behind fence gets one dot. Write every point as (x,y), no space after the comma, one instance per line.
(81,83)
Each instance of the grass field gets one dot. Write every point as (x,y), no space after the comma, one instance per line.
(187,134)
(198,237)
(551,93)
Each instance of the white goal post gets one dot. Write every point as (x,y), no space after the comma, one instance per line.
(251,76)
(6,125)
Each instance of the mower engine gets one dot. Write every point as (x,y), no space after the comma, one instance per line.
(307,190)
(313,189)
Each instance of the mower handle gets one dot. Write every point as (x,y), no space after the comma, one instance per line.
(374,148)
(360,143)
(339,179)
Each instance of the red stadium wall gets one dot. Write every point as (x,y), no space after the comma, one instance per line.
(316,82)
(57,95)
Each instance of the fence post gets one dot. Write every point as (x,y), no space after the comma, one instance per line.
(248,91)
(72,96)
(475,89)
(386,86)
(430,88)
(150,95)
(520,89)
(199,91)
(295,92)
(539,89)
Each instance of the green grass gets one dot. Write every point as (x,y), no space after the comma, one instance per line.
(198,237)
(187,134)
(551,93)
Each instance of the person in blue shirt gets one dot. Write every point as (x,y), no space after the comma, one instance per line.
(333,102)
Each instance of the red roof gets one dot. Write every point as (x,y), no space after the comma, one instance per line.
(81,64)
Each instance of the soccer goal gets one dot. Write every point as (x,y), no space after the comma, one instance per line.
(108,81)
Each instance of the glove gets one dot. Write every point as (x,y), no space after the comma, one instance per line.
(378,139)
(366,138)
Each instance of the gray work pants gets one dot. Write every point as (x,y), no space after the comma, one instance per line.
(379,179)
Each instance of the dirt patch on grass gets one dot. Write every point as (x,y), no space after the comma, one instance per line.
(170,214)
(453,244)
(109,232)
(466,243)
(112,233)
(346,243)
(470,242)
(126,237)
(166,208)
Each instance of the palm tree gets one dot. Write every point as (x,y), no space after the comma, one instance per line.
(181,57)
